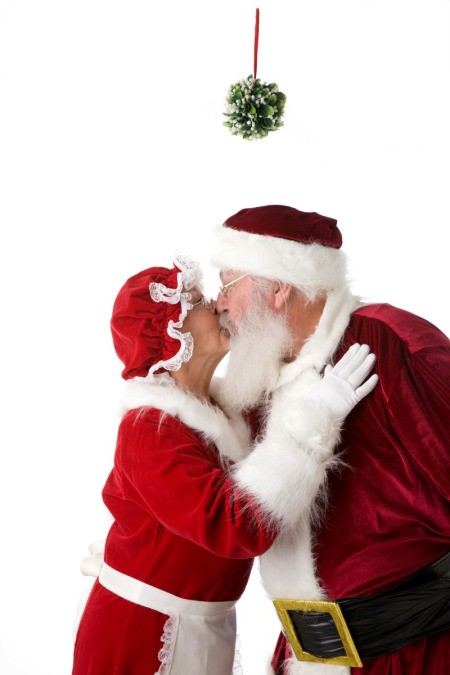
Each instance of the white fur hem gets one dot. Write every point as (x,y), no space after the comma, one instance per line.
(294,667)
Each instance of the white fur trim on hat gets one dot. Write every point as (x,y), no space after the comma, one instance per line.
(311,267)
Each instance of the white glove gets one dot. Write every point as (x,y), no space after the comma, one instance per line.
(343,385)
(91,566)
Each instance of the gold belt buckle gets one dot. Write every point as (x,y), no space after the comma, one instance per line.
(283,608)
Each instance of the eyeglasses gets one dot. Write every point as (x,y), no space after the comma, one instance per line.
(206,302)
(224,289)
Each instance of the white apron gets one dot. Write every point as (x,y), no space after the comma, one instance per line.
(199,637)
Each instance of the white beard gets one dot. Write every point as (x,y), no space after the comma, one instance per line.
(258,346)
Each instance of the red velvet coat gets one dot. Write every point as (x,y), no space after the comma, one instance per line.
(180,525)
(389,512)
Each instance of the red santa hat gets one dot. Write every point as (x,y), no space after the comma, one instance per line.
(147,316)
(283,243)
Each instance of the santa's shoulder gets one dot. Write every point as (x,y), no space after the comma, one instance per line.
(382,324)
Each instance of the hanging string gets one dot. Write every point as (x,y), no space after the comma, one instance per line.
(255,50)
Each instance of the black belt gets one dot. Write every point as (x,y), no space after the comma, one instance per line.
(348,630)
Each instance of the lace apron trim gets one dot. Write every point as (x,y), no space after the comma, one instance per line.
(199,637)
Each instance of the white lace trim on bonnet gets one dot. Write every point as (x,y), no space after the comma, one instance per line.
(190,276)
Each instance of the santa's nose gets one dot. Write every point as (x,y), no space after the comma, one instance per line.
(221,303)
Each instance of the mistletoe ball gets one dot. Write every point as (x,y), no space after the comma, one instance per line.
(254,108)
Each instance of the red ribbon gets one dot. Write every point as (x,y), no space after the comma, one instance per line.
(255,50)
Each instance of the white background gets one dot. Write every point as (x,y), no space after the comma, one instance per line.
(112,156)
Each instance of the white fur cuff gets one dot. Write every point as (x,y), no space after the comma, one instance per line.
(285,471)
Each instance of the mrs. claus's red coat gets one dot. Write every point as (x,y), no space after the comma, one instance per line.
(180,525)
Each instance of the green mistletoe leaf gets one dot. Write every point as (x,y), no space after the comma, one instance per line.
(254,108)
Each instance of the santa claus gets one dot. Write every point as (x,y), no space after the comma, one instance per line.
(360,574)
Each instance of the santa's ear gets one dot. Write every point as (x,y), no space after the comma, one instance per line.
(282,293)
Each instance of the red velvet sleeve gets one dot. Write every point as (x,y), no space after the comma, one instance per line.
(170,472)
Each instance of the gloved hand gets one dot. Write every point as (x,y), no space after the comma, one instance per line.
(91,566)
(344,384)
(286,468)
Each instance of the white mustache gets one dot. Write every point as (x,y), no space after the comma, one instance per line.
(226,323)
(257,347)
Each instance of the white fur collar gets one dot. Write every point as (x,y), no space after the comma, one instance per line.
(288,569)
(229,434)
